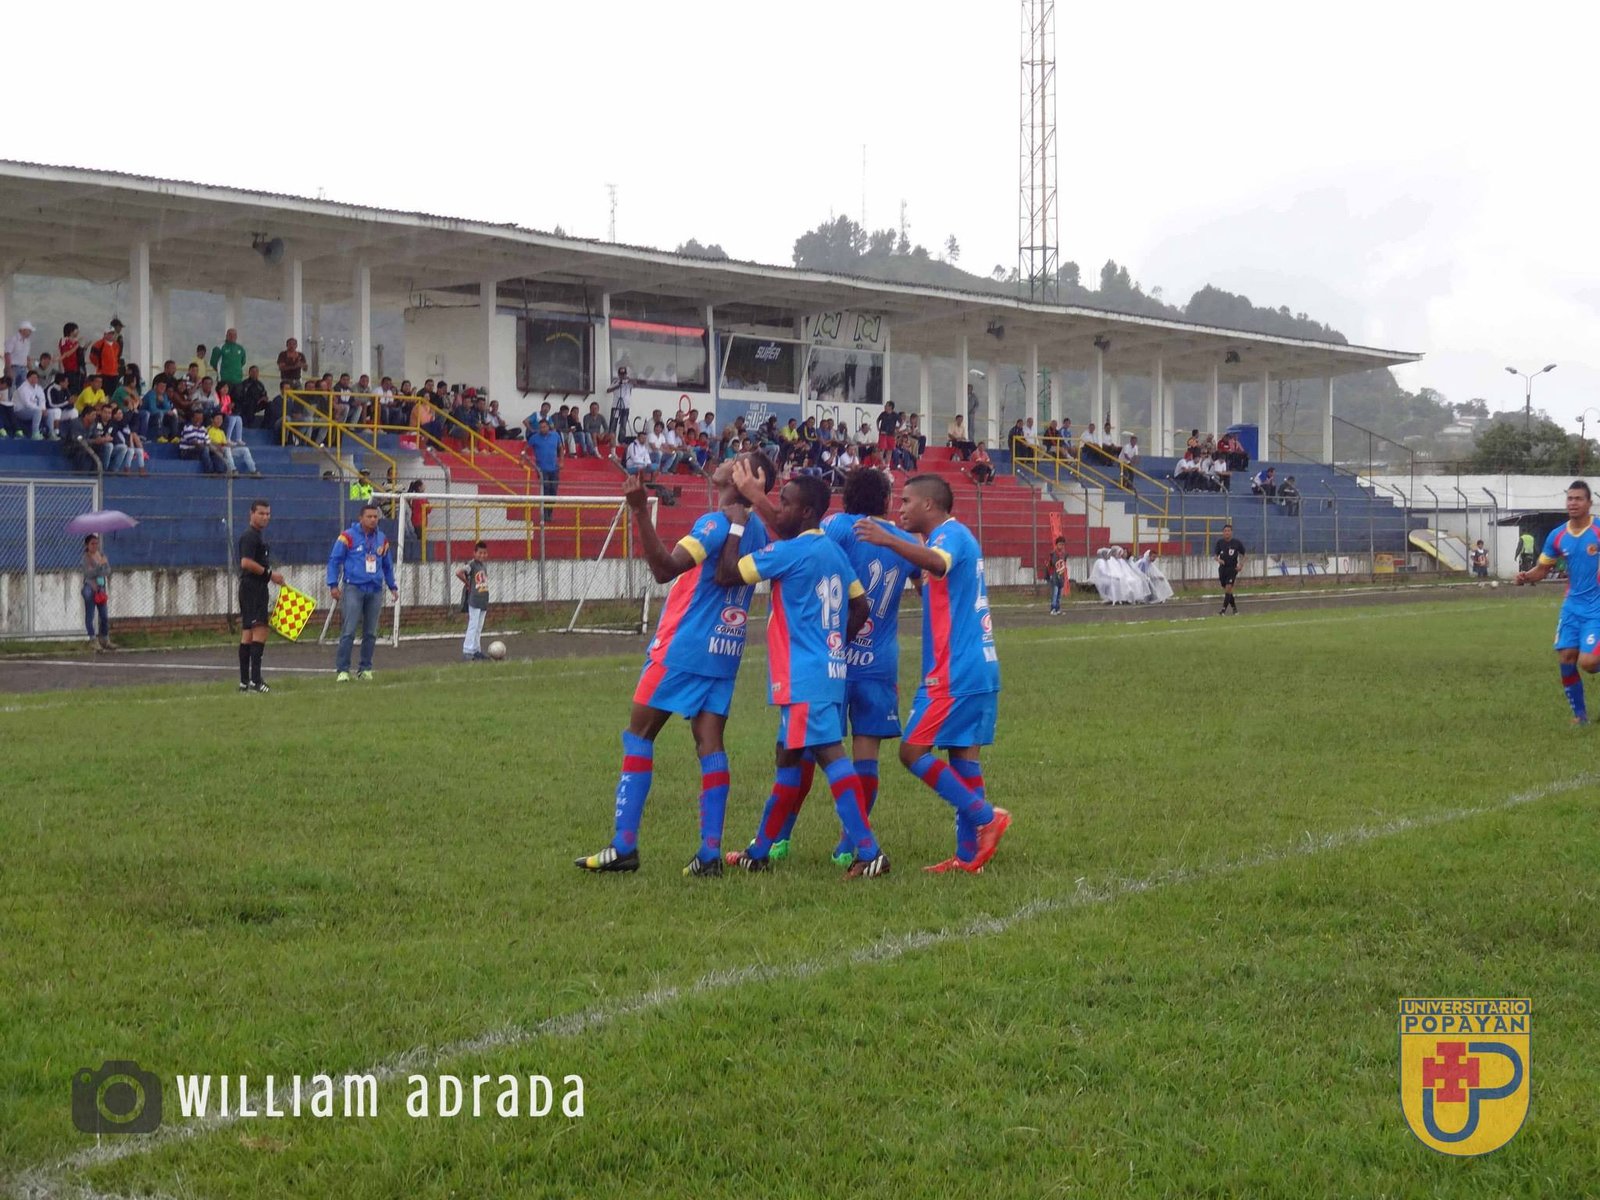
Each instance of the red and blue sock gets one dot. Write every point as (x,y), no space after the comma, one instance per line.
(808,772)
(851,807)
(952,788)
(713,803)
(633,787)
(970,771)
(867,773)
(1572,685)
(780,804)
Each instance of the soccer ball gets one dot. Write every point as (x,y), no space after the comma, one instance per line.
(1495,584)
(497,650)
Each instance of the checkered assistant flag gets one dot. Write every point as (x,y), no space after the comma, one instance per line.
(291,612)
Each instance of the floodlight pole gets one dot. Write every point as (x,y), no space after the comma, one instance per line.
(1527,392)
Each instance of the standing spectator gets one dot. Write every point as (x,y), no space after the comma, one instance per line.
(622,390)
(105,356)
(200,365)
(19,353)
(291,364)
(914,429)
(1480,560)
(255,569)
(545,446)
(250,398)
(361,560)
(1056,570)
(475,601)
(1128,460)
(1230,552)
(228,359)
(31,403)
(70,355)
(888,427)
(96,593)
(417,512)
(1525,553)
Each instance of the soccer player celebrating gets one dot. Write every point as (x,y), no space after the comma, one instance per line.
(255,569)
(872,687)
(691,664)
(806,636)
(1578,630)
(956,705)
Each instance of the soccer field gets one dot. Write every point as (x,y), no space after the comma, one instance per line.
(1237,843)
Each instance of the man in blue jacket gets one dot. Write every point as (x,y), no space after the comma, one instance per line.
(362,555)
(544,444)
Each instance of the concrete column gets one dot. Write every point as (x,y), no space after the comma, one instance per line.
(137,334)
(361,323)
(1158,405)
(1058,394)
(963,381)
(714,363)
(160,304)
(293,296)
(1097,409)
(8,308)
(1238,404)
(887,361)
(232,309)
(925,395)
(1212,405)
(991,376)
(1266,414)
(1113,410)
(1032,407)
(1327,425)
(603,367)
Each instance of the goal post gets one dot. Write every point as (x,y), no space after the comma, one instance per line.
(571,556)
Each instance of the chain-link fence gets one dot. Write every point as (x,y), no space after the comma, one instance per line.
(40,562)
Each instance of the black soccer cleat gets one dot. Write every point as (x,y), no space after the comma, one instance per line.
(244,687)
(705,868)
(747,861)
(609,859)
(869,868)
(260,687)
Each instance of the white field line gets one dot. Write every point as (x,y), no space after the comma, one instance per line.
(100,664)
(48,1182)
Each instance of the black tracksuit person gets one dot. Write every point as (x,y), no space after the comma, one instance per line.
(1230,550)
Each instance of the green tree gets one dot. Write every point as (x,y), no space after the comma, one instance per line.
(693,249)
(952,249)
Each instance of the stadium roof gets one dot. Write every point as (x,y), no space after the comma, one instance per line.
(68,221)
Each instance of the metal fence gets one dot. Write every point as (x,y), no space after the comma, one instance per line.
(40,561)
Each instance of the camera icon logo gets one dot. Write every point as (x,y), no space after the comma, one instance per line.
(121,1097)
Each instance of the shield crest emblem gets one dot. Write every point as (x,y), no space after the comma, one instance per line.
(1464,1071)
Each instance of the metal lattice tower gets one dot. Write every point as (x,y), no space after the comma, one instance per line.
(1038,215)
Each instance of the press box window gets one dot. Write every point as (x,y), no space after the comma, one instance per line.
(759,365)
(661,355)
(554,354)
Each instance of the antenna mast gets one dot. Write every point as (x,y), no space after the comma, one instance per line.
(1038,215)
(611,230)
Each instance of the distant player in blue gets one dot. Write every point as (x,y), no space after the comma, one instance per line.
(872,683)
(1578,630)
(955,707)
(813,588)
(691,664)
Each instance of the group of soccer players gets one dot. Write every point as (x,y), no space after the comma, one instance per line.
(832,661)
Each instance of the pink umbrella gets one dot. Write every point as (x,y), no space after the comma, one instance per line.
(102,520)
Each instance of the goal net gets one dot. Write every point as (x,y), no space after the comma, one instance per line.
(564,563)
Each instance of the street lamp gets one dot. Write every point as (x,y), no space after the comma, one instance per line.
(1527,406)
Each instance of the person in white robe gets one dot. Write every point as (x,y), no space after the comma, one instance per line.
(1160,589)
(1105,580)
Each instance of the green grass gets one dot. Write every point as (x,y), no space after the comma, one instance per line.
(1182,990)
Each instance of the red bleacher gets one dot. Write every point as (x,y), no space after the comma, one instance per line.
(1008,525)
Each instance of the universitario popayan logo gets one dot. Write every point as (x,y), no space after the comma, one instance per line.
(1464,1071)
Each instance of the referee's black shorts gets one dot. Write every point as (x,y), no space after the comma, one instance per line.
(253,608)
(1226,577)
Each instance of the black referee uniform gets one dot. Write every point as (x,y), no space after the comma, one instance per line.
(253,605)
(1230,552)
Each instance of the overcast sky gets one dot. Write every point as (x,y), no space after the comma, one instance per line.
(1420,175)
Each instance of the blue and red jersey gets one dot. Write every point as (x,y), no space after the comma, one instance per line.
(702,626)
(958,651)
(812,583)
(1582,552)
(875,652)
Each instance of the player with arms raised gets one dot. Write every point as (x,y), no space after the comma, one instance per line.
(872,683)
(691,664)
(812,584)
(956,706)
(1578,630)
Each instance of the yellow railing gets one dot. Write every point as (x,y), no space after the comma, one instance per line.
(533,529)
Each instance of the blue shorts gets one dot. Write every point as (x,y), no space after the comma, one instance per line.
(874,706)
(802,725)
(1576,631)
(683,693)
(952,721)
